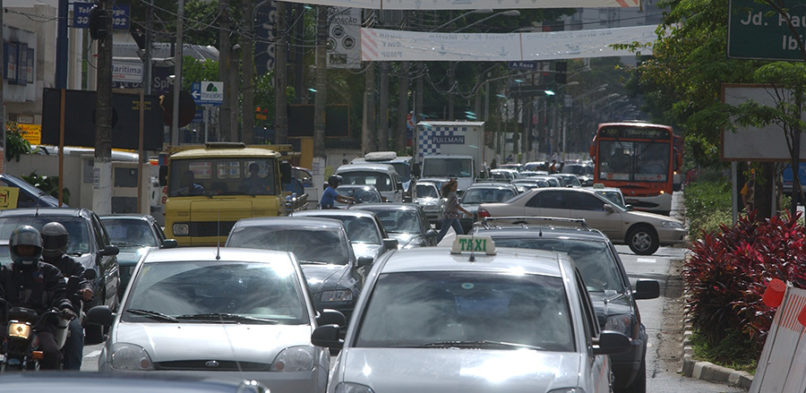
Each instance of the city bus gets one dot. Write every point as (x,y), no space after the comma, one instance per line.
(211,187)
(640,159)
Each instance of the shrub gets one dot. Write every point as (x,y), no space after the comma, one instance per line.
(48,184)
(708,205)
(727,274)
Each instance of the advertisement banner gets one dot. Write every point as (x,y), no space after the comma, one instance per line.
(397,45)
(266,17)
(344,39)
(469,4)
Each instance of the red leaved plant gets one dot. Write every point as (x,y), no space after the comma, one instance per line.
(727,273)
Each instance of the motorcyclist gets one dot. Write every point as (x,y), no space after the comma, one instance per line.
(54,248)
(37,285)
(330,196)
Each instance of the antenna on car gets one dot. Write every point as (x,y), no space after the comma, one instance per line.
(218,237)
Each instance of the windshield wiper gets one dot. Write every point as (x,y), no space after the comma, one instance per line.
(229,317)
(152,314)
(488,344)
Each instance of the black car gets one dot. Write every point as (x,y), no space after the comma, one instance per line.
(321,247)
(479,193)
(364,230)
(88,243)
(28,196)
(134,235)
(405,222)
(605,278)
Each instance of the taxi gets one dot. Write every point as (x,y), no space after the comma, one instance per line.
(472,318)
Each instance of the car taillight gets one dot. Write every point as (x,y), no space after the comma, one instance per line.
(483,213)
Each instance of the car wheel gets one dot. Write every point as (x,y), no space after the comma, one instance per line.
(638,384)
(643,240)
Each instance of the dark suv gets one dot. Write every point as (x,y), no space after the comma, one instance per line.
(88,243)
(603,273)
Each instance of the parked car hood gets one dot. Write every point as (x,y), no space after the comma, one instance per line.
(243,342)
(466,370)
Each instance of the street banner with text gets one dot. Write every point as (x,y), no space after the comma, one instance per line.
(469,4)
(397,45)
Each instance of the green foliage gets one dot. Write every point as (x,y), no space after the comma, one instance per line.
(708,205)
(16,145)
(48,184)
(731,351)
(197,70)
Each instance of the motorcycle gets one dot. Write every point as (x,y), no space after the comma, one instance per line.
(20,345)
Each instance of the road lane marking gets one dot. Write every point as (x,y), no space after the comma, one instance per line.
(646,260)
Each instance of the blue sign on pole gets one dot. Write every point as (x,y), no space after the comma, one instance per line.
(120,16)
(195,92)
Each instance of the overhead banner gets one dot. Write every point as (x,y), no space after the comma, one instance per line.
(469,4)
(398,45)
(344,43)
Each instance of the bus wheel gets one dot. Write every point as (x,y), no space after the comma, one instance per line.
(642,240)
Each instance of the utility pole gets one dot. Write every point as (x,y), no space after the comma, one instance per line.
(299,53)
(248,65)
(102,170)
(320,100)
(383,107)
(2,102)
(402,107)
(147,78)
(280,75)
(61,46)
(224,68)
(178,52)
(369,127)
(451,81)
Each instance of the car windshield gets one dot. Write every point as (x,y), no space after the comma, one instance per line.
(572,180)
(78,240)
(380,180)
(634,161)
(359,193)
(594,260)
(222,176)
(434,309)
(399,220)
(426,191)
(487,195)
(130,232)
(359,229)
(309,245)
(216,291)
(447,167)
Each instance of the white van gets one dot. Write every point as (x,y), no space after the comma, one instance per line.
(382,176)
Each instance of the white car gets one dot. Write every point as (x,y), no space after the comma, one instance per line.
(473,319)
(643,232)
(235,313)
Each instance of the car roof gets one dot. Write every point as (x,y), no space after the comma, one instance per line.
(386,206)
(45,211)
(540,231)
(493,185)
(505,260)
(333,212)
(208,254)
(365,167)
(143,217)
(308,222)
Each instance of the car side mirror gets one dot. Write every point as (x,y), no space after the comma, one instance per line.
(610,343)
(608,208)
(628,207)
(331,317)
(110,251)
(363,261)
(169,243)
(390,244)
(327,336)
(100,315)
(646,289)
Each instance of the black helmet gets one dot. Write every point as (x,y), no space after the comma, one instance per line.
(54,241)
(25,235)
(334,180)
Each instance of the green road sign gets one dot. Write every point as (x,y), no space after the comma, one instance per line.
(757,31)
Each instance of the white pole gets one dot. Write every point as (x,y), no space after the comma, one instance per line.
(180,15)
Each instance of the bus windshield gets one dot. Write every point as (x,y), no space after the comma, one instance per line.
(222,176)
(634,161)
(447,167)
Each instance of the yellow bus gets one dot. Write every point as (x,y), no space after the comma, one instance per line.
(210,188)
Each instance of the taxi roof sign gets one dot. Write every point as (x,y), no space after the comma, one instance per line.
(470,243)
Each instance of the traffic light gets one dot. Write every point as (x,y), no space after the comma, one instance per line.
(560,69)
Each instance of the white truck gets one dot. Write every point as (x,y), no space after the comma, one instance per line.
(447,149)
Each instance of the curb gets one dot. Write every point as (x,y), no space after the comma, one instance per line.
(708,371)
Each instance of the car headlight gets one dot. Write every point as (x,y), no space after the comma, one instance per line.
(294,359)
(130,357)
(180,229)
(341,295)
(671,224)
(349,387)
(620,323)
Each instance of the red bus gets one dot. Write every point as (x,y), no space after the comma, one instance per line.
(639,158)
(678,151)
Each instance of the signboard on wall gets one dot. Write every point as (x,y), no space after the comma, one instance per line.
(344,38)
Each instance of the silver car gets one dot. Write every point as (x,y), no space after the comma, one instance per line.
(473,319)
(236,313)
(426,194)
